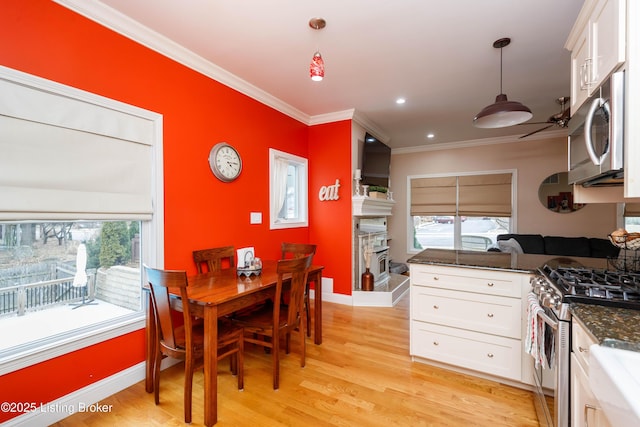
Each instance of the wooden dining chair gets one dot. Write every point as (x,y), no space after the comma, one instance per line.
(298,250)
(266,326)
(186,341)
(213,258)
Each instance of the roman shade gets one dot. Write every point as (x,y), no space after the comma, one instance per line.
(465,195)
(631,209)
(71,158)
(484,195)
(433,196)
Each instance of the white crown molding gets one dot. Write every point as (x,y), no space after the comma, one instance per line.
(331,117)
(480,142)
(133,30)
(371,127)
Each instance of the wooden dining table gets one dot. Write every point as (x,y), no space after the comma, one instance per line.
(212,295)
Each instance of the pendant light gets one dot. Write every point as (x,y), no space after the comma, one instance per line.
(502,113)
(316,68)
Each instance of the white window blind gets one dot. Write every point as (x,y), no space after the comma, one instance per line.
(68,158)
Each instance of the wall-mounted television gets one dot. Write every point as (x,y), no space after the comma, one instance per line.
(376,158)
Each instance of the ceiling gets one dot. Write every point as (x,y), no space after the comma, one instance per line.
(437,55)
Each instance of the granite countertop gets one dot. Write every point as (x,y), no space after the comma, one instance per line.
(610,326)
(524,263)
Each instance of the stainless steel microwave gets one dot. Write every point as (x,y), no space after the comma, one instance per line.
(596,136)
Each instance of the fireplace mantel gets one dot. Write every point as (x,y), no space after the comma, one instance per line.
(369,206)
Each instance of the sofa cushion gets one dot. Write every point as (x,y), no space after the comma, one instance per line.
(567,246)
(530,243)
(602,248)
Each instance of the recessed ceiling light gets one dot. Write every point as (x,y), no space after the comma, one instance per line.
(400,101)
(431,135)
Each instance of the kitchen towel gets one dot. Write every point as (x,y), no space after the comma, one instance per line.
(534,343)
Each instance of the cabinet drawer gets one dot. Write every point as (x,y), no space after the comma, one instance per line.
(467,279)
(580,343)
(484,353)
(490,314)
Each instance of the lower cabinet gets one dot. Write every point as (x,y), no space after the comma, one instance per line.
(585,409)
(469,318)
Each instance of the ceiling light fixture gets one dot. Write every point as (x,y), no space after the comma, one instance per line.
(502,113)
(316,68)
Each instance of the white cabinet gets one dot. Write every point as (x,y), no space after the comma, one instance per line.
(585,409)
(468,318)
(597,45)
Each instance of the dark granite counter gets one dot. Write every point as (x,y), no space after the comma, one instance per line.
(610,326)
(523,263)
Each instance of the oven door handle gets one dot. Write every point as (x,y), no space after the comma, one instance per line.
(548,320)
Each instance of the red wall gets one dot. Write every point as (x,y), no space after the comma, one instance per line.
(330,154)
(47,40)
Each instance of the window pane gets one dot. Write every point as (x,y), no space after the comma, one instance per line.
(632,224)
(479,233)
(41,282)
(291,198)
(433,232)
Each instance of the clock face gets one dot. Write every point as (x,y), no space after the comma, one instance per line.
(225,162)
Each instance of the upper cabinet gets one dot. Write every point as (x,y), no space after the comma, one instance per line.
(597,45)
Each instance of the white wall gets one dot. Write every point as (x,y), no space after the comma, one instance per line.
(533,160)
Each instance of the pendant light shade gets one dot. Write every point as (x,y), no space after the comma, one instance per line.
(316,68)
(502,113)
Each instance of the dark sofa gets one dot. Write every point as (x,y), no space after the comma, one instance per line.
(592,247)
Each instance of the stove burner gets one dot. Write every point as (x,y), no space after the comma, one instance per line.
(596,286)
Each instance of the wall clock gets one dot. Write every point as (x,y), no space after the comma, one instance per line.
(225,162)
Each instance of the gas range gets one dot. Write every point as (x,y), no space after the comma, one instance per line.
(555,287)
(589,286)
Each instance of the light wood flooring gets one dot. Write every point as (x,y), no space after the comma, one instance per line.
(361,375)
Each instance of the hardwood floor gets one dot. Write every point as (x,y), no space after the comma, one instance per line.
(361,375)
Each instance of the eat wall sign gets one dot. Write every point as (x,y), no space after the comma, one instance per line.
(329,192)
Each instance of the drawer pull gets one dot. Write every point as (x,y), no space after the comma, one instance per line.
(436,307)
(490,355)
(490,284)
(436,343)
(436,278)
(490,315)
(583,350)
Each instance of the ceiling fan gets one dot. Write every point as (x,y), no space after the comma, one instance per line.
(560,119)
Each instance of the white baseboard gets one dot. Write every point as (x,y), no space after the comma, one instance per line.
(85,399)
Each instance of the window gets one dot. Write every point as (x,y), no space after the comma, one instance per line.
(45,280)
(459,212)
(288,199)
(632,217)
(77,170)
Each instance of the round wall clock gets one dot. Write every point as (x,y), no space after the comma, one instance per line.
(225,162)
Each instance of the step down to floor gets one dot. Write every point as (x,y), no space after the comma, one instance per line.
(386,295)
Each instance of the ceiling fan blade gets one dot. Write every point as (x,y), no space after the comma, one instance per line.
(535,131)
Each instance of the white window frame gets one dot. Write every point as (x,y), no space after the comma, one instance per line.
(457,220)
(152,232)
(302,166)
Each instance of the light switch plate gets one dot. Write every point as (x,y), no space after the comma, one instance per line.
(256,217)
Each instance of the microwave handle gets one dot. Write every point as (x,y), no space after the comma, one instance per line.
(597,103)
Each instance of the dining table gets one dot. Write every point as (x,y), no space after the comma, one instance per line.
(216,294)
